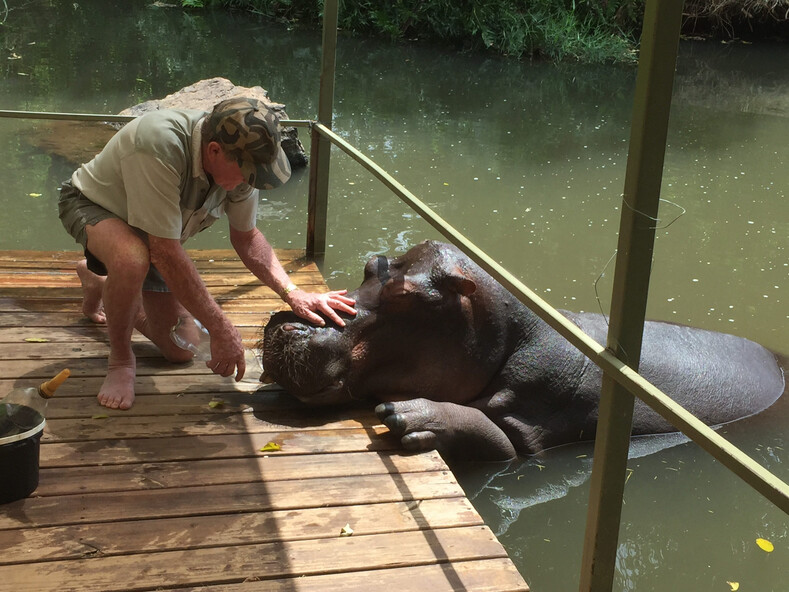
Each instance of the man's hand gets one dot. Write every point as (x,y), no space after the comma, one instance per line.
(308,304)
(227,351)
(257,254)
(178,270)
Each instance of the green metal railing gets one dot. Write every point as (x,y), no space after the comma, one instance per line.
(66,116)
(636,238)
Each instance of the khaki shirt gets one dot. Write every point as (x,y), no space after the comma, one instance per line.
(151,175)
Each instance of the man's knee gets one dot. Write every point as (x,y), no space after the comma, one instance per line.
(176,355)
(122,252)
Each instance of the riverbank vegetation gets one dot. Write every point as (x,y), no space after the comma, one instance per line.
(591,31)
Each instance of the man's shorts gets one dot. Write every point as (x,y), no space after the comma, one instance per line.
(77,212)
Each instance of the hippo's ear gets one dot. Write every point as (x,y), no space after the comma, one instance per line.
(460,284)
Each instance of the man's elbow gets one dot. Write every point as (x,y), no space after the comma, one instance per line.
(242,239)
(163,250)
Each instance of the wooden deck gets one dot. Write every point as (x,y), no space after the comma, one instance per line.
(176,492)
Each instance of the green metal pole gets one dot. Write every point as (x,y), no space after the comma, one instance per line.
(320,150)
(654,82)
(66,116)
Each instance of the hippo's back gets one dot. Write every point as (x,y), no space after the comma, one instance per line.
(718,377)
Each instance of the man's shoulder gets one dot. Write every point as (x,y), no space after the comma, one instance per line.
(168,121)
(167,133)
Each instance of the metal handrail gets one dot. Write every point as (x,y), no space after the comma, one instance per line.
(66,116)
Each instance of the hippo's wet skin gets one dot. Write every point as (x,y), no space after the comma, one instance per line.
(460,365)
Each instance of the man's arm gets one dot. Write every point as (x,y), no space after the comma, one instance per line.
(258,256)
(178,270)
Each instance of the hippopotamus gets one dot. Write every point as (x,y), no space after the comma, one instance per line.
(456,363)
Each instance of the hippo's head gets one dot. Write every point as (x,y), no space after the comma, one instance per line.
(412,312)
(311,362)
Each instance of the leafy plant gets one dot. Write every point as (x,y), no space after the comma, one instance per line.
(585,30)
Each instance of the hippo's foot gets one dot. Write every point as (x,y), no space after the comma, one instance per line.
(456,431)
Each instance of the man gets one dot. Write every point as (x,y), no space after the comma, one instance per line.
(162,178)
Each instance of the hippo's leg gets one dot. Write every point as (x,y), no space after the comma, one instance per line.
(456,431)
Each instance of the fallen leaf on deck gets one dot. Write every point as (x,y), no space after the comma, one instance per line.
(36,339)
(346,530)
(271,447)
(99,416)
(734,585)
(765,545)
(214,403)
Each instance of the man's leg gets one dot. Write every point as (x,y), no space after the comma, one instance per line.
(126,258)
(92,288)
(160,312)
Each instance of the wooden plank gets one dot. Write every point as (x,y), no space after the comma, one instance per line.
(78,346)
(229,498)
(158,390)
(229,266)
(203,401)
(213,422)
(14,282)
(221,289)
(486,575)
(256,466)
(62,350)
(80,541)
(263,561)
(76,320)
(87,333)
(47,367)
(182,448)
(261,305)
(185,399)
(196,254)
(33,256)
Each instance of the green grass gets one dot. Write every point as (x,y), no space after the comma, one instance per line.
(593,31)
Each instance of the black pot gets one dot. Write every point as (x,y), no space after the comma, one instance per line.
(19,456)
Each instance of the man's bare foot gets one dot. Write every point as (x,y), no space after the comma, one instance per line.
(117,392)
(92,287)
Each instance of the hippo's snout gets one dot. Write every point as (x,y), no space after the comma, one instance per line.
(308,360)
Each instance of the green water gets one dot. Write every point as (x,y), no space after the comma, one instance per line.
(528,161)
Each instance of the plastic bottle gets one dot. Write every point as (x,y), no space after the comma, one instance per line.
(193,336)
(25,408)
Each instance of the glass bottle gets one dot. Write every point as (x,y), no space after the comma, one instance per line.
(190,334)
(25,408)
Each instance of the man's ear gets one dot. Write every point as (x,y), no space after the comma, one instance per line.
(214,148)
(211,152)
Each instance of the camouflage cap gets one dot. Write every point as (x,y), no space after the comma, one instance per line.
(248,131)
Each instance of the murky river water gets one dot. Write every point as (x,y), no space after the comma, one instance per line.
(528,161)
